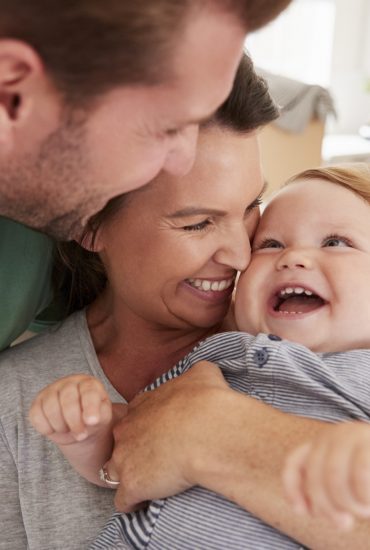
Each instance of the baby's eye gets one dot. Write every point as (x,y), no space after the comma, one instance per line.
(201,226)
(267,243)
(336,240)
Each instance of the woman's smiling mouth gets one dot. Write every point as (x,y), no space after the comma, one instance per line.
(206,284)
(211,290)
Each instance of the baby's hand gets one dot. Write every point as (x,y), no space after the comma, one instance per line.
(330,476)
(71,409)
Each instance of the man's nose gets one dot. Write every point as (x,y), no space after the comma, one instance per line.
(181,154)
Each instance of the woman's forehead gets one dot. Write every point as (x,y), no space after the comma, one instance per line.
(226,163)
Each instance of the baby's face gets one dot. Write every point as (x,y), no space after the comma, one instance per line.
(309,277)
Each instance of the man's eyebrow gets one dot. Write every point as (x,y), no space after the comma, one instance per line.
(196,211)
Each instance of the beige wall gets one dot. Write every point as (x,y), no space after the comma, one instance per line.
(284,153)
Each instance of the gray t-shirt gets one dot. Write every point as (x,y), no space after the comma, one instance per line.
(44,504)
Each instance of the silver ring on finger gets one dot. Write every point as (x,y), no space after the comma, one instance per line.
(104,476)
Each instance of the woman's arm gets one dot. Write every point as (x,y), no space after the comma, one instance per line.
(196,430)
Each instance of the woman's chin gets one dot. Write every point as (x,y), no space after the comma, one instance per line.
(204,319)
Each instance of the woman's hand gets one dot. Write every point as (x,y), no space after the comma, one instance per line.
(330,475)
(71,409)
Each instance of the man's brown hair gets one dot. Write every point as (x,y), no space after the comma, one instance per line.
(90,46)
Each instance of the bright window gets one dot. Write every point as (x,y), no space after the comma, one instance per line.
(299,43)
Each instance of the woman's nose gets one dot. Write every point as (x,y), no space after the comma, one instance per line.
(236,251)
(181,155)
(294,259)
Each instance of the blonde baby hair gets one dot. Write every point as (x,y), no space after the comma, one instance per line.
(353,176)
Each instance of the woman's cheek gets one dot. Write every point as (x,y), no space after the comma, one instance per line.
(252,224)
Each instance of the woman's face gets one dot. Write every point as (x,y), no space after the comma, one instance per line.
(172,252)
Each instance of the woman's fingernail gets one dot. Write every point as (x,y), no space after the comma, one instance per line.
(81,436)
(92,420)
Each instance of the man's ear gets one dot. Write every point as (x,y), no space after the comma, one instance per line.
(22,76)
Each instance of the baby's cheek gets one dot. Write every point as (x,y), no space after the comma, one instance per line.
(241,299)
(246,302)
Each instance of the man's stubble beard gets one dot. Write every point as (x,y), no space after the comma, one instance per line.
(51,191)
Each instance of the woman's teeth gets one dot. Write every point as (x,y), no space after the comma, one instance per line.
(203,284)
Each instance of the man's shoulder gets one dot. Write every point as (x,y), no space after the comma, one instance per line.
(25,278)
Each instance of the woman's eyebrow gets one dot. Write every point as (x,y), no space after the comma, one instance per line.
(203,211)
(196,211)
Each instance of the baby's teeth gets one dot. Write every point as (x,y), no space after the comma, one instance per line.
(295,290)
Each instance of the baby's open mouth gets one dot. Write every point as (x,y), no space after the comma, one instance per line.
(295,300)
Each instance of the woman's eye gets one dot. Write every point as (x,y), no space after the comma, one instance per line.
(335,240)
(268,243)
(255,204)
(197,226)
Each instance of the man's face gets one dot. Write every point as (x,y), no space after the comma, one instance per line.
(308,280)
(128,137)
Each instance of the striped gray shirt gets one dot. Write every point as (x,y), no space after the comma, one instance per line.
(326,386)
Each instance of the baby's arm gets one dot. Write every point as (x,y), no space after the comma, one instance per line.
(330,475)
(77,415)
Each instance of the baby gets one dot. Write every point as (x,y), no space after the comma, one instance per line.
(303,311)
